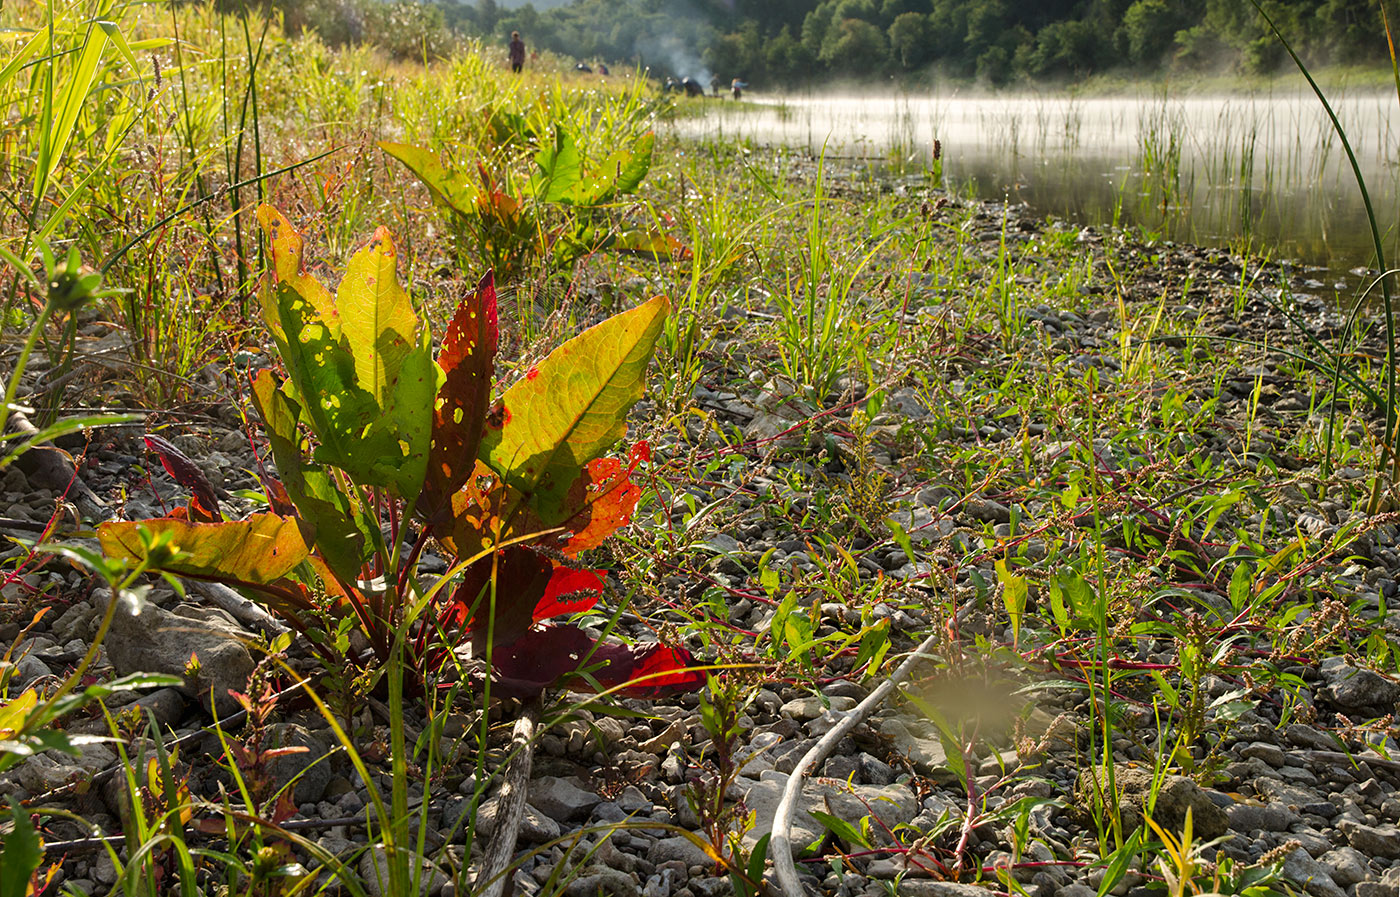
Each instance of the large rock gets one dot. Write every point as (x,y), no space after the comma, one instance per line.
(147,639)
(309,761)
(562,799)
(1357,692)
(1175,796)
(1314,878)
(1372,840)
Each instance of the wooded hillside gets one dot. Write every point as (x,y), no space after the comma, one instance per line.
(771,42)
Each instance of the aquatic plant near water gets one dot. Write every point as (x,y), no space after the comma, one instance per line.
(407,448)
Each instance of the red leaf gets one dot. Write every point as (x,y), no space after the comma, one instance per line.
(606,498)
(569,591)
(204,506)
(278,499)
(467,358)
(657,669)
(538,659)
(523,578)
(546,657)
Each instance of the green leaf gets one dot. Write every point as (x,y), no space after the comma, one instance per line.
(1057,605)
(453,189)
(340,412)
(621,172)
(634,167)
(561,170)
(1241,584)
(22,854)
(260,550)
(376,317)
(408,418)
(288,251)
(842,829)
(571,408)
(1014,592)
(342,535)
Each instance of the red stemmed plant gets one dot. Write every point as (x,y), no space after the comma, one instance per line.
(384,448)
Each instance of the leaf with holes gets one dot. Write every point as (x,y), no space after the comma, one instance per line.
(342,531)
(467,359)
(261,550)
(605,498)
(289,267)
(571,408)
(340,412)
(376,316)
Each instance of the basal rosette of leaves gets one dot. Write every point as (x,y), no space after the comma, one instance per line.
(383,447)
(509,224)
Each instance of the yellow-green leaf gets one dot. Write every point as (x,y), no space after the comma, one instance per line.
(260,550)
(572,407)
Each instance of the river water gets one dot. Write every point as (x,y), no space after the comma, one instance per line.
(1260,172)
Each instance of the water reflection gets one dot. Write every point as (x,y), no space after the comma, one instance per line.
(1263,171)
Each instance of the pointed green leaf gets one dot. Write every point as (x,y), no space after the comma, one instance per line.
(260,550)
(572,407)
(340,412)
(408,420)
(454,189)
(376,316)
(341,534)
(561,170)
(621,172)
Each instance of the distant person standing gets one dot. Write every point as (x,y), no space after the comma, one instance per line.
(517,52)
(738,87)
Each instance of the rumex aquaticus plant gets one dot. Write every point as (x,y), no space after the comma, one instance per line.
(383,447)
(560,212)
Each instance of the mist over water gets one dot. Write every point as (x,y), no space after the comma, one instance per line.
(1261,170)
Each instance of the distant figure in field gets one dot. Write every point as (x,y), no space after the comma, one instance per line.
(602,68)
(583,69)
(738,87)
(692,87)
(716,82)
(517,52)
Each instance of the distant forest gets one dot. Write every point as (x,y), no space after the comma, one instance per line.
(786,42)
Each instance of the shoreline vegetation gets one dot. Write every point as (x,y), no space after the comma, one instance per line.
(326,568)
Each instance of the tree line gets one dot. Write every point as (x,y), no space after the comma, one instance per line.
(999,42)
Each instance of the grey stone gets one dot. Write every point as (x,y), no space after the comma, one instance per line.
(926,754)
(30,669)
(1308,737)
(148,639)
(1245,818)
(375,870)
(1360,691)
(923,887)
(309,761)
(1374,841)
(1175,795)
(562,799)
(894,804)
(600,880)
(1349,866)
(812,707)
(535,827)
(680,849)
(1271,754)
(1303,870)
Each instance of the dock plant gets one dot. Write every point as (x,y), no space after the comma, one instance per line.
(383,447)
